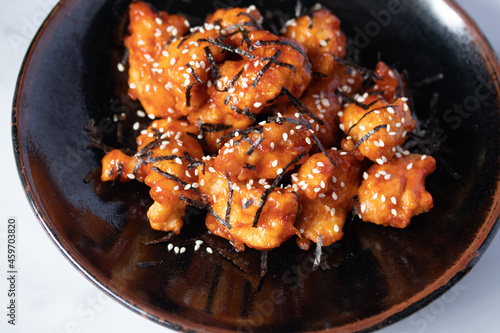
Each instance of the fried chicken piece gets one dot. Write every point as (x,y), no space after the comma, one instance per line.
(321,99)
(321,35)
(378,127)
(236,23)
(390,86)
(326,191)
(149,34)
(391,194)
(237,214)
(264,151)
(165,161)
(214,123)
(269,67)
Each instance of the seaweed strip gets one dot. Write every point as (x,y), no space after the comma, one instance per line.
(263,263)
(250,167)
(300,107)
(245,111)
(254,146)
(376,109)
(352,100)
(213,66)
(231,83)
(202,206)
(193,73)
(323,150)
(355,66)
(284,43)
(247,204)
(255,23)
(268,191)
(229,198)
(148,264)
(188,93)
(218,42)
(368,135)
(260,74)
(399,92)
(160,240)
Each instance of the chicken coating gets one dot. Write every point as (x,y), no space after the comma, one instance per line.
(390,86)
(213,124)
(321,36)
(322,100)
(272,67)
(264,151)
(236,23)
(234,210)
(166,161)
(391,194)
(149,34)
(326,191)
(377,127)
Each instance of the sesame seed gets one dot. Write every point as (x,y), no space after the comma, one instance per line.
(131,176)
(336,227)
(322,43)
(170,246)
(257,104)
(209,250)
(394,200)
(375,196)
(120,67)
(423,157)
(387,177)
(279,171)
(285,136)
(334,196)
(365,175)
(363,208)
(394,212)
(382,198)
(317,189)
(315,171)
(409,166)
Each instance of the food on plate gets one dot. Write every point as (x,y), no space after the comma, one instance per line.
(274,135)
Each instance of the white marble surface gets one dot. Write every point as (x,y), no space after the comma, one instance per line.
(55,297)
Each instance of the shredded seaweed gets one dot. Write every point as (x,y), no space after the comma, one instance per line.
(188,93)
(300,107)
(323,150)
(193,73)
(368,135)
(229,198)
(250,167)
(247,204)
(200,205)
(219,42)
(254,21)
(263,263)
(231,83)
(245,111)
(372,74)
(254,145)
(369,112)
(213,66)
(160,240)
(275,183)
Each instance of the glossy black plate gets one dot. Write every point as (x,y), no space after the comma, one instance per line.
(372,277)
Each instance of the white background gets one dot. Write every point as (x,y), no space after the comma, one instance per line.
(54,297)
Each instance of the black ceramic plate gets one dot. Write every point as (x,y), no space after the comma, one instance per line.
(372,277)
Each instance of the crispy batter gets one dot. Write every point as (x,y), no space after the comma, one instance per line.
(391,194)
(149,34)
(321,36)
(275,224)
(378,129)
(263,151)
(326,195)
(321,99)
(258,79)
(162,164)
